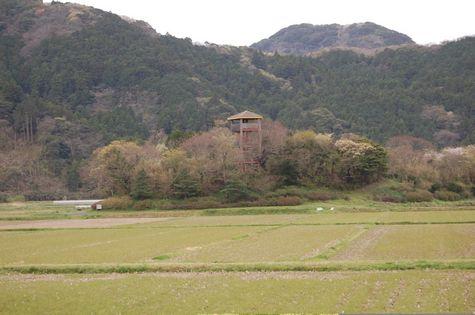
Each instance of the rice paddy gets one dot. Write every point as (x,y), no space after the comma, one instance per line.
(242,292)
(419,259)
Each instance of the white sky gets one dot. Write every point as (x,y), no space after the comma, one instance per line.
(243,22)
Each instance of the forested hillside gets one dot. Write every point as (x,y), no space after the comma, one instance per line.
(307,39)
(73,78)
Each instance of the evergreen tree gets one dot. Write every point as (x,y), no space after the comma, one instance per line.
(235,191)
(185,186)
(141,186)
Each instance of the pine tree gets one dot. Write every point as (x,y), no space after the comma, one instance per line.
(141,187)
(184,186)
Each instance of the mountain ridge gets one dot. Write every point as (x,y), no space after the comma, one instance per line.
(37,21)
(308,39)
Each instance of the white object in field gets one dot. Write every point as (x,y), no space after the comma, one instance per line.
(98,206)
(76,202)
(319,209)
(332,208)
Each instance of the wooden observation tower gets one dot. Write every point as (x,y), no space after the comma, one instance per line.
(248,129)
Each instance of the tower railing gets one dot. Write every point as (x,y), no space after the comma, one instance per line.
(245,127)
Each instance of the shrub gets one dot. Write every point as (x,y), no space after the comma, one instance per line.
(465,194)
(16,198)
(435,187)
(144,204)
(117,203)
(190,204)
(419,196)
(235,191)
(319,196)
(473,190)
(275,201)
(391,198)
(3,198)
(288,201)
(288,191)
(305,193)
(204,203)
(454,187)
(42,196)
(446,195)
(389,194)
(322,195)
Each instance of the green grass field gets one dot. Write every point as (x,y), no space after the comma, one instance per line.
(46,210)
(361,257)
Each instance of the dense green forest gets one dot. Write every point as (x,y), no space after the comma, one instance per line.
(99,78)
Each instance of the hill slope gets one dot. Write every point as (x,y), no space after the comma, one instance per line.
(305,39)
(90,77)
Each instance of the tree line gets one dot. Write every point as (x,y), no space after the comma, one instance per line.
(208,164)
